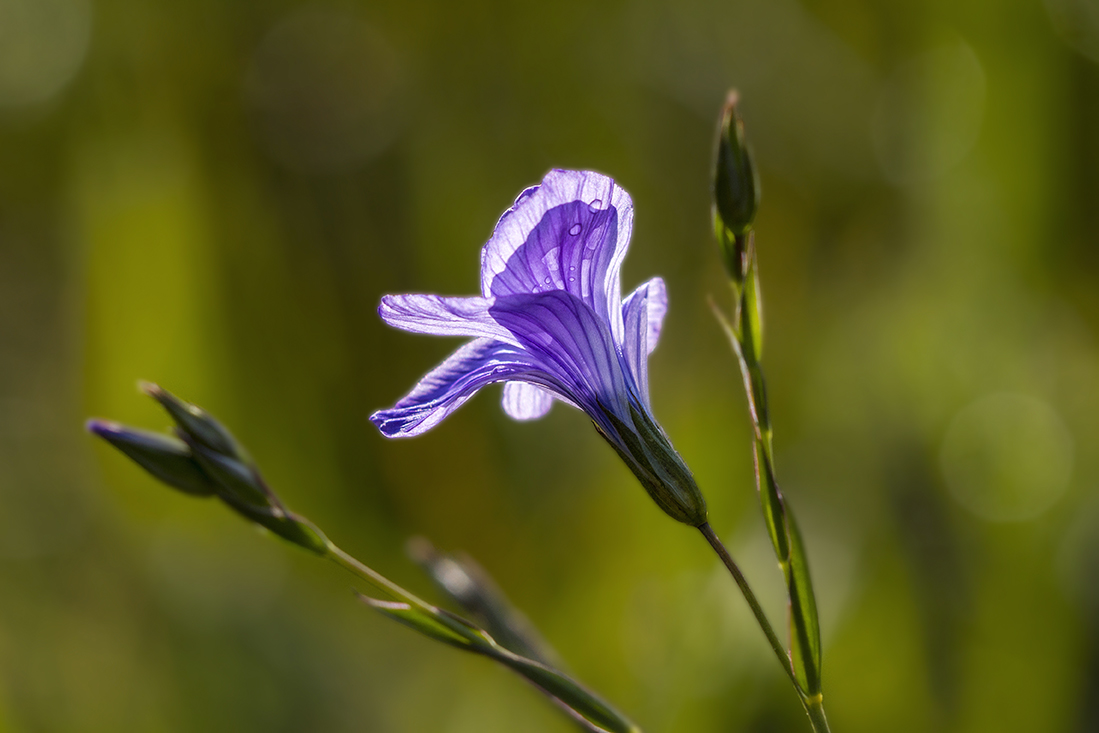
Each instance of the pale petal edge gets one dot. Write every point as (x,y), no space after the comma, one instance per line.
(446,387)
(523,401)
(436,315)
(643,315)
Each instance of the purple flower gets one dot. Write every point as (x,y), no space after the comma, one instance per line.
(551,324)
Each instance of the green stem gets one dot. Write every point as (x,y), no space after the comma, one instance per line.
(753,602)
(353,566)
(814,706)
(815,709)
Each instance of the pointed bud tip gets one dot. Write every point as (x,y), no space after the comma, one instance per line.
(99,427)
(731,101)
(735,188)
(195,423)
(109,429)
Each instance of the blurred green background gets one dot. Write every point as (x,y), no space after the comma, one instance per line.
(214,195)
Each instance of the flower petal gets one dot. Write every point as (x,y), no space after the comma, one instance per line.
(643,316)
(571,234)
(450,384)
(523,401)
(570,344)
(440,316)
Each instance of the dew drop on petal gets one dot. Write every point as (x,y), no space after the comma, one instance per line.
(594,205)
(548,281)
(575,229)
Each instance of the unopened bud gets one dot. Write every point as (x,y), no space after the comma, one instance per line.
(238,482)
(168,459)
(735,188)
(205,460)
(195,422)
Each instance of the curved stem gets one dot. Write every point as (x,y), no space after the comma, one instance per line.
(753,602)
(814,706)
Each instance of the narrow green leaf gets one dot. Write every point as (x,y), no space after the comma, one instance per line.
(745,370)
(570,693)
(237,481)
(771,500)
(429,624)
(470,586)
(805,638)
(445,627)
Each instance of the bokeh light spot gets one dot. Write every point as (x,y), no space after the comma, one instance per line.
(1007,457)
(1077,22)
(929,114)
(42,45)
(327,91)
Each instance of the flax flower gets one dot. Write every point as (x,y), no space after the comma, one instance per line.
(551,324)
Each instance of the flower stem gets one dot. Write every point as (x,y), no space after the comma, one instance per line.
(815,709)
(814,706)
(750,596)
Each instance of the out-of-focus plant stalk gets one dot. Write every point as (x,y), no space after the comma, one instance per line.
(736,199)
(203,459)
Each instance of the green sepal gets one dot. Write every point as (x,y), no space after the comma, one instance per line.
(238,482)
(166,458)
(196,422)
(732,248)
(656,464)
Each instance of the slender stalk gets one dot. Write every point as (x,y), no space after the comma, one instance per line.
(753,602)
(815,709)
(353,566)
(814,706)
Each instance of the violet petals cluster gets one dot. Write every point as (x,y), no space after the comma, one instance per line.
(551,324)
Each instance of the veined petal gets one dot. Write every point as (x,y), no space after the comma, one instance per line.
(565,338)
(440,316)
(643,316)
(450,384)
(571,234)
(523,401)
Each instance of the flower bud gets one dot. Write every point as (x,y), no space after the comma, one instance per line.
(205,460)
(735,188)
(195,422)
(168,459)
(238,483)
